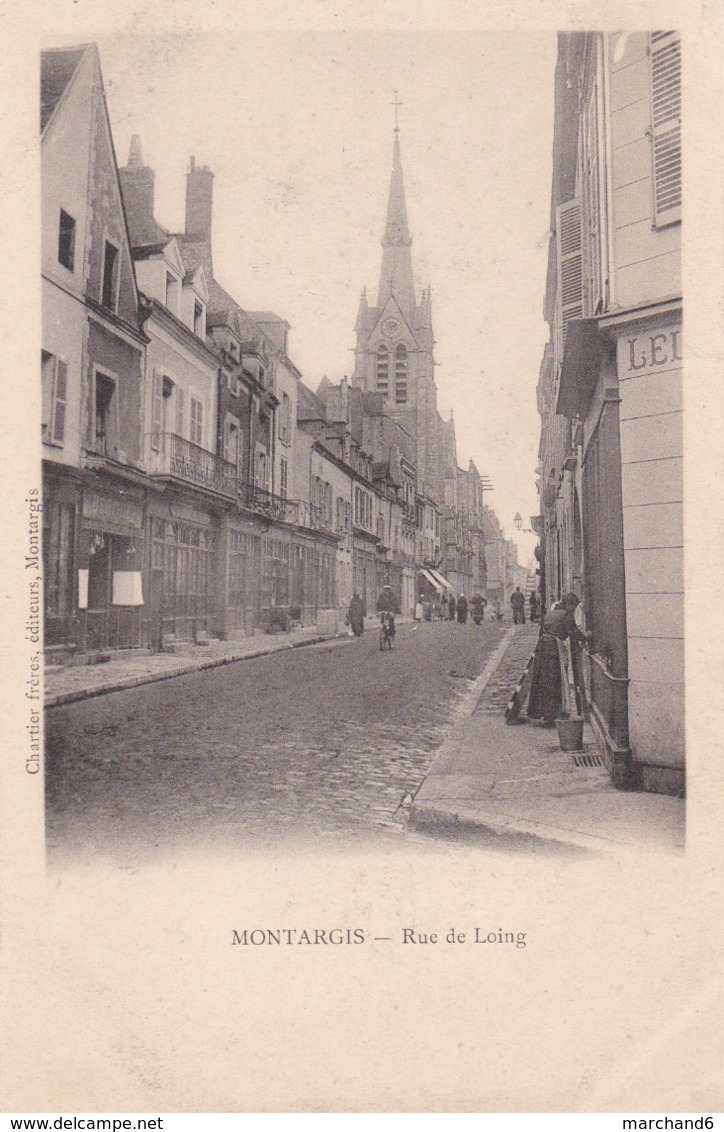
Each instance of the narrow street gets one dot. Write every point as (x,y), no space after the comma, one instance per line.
(311,746)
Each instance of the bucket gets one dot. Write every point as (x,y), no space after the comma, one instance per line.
(570,734)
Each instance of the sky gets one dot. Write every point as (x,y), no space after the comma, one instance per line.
(298,129)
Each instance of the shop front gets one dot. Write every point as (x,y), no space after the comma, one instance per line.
(182,555)
(62,505)
(109,579)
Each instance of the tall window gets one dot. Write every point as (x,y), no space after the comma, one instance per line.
(284,477)
(179,411)
(262,469)
(400,375)
(66,240)
(55,391)
(383,369)
(231,442)
(104,399)
(196,423)
(665,57)
(110,275)
(285,419)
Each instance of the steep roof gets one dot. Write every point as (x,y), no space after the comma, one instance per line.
(57,67)
(309,406)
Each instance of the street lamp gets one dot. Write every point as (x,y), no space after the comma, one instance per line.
(518,521)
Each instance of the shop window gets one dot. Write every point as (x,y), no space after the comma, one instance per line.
(66,240)
(58,540)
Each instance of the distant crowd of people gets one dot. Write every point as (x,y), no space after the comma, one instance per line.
(441,608)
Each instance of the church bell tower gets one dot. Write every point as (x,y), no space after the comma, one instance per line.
(393,354)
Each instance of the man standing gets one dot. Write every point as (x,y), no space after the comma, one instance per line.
(387,602)
(517,600)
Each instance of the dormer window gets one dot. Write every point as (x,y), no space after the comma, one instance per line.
(66,240)
(109,285)
(199,328)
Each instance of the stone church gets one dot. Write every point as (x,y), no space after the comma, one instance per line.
(394,357)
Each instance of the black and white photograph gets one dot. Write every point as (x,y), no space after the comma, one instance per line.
(355,748)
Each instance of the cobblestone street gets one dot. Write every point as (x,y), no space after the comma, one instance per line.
(323,744)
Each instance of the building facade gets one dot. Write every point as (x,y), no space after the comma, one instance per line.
(610,390)
(92,364)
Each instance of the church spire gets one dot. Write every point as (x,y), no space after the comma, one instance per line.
(396,273)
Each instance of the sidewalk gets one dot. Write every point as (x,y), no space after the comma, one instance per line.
(492,779)
(127,669)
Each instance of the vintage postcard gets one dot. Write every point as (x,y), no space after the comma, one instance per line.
(361,611)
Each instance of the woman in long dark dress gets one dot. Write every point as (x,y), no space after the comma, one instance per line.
(545,699)
(356,615)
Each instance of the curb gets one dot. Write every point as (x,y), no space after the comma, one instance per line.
(428,817)
(80,694)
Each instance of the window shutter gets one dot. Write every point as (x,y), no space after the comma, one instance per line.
(157,411)
(61,394)
(179,411)
(570,266)
(665,56)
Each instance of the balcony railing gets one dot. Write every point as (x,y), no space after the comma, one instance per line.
(173,457)
(297,512)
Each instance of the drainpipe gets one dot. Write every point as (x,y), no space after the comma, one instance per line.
(606,129)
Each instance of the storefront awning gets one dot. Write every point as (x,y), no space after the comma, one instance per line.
(427,574)
(443,581)
(580,367)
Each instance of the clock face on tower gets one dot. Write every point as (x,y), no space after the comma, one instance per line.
(391,327)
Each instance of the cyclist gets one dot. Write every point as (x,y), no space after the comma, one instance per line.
(388,603)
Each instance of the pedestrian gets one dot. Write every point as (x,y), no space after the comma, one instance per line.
(387,603)
(356,615)
(534,607)
(478,604)
(419,609)
(451,607)
(517,600)
(497,613)
(462,609)
(545,700)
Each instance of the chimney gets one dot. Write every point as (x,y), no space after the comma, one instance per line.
(199,199)
(137,188)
